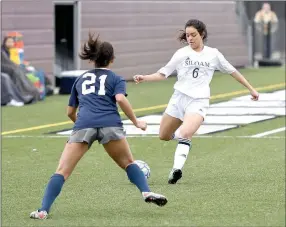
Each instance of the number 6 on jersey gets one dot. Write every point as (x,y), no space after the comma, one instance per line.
(196,72)
(91,83)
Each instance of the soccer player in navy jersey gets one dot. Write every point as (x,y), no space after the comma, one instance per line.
(95,94)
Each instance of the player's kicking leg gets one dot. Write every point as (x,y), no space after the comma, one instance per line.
(120,152)
(192,122)
(72,153)
(168,127)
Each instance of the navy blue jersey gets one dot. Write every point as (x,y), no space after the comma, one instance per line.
(94,93)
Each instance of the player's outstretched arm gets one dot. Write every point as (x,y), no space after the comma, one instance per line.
(241,79)
(127,109)
(163,73)
(71,112)
(152,77)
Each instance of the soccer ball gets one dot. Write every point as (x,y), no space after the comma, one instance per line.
(144,167)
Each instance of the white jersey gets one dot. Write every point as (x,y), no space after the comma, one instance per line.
(195,70)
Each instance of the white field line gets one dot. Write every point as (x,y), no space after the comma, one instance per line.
(269,132)
(144,136)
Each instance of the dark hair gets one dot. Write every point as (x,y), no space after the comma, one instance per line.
(5,40)
(197,24)
(100,52)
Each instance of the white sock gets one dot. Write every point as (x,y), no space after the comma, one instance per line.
(181,153)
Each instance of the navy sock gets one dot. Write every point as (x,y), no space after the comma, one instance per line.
(53,189)
(136,176)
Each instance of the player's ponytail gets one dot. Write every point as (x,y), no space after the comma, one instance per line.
(182,36)
(101,53)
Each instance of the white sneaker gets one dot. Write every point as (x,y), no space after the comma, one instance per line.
(151,197)
(15,103)
(39,214)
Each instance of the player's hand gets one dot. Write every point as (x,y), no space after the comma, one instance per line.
(138,78)
(141,124)
(254,94)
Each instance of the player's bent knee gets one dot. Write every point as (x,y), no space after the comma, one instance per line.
(165,137)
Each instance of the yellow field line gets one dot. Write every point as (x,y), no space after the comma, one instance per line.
(225,95)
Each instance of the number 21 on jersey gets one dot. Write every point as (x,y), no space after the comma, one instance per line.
(88,85)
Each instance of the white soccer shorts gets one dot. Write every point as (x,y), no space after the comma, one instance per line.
(180,104)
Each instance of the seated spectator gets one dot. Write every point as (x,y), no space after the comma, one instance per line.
(16,73)
(39,79)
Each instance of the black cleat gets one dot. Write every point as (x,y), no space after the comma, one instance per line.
(175,175)
(155,198)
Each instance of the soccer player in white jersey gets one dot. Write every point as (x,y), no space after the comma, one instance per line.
(195,65)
